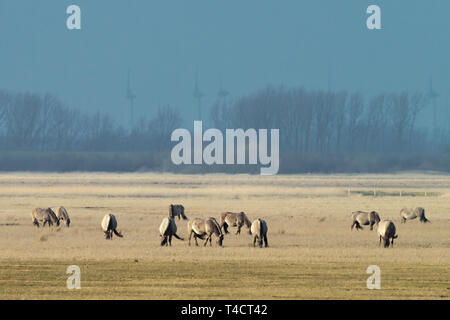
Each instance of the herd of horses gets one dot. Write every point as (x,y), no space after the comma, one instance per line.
(386,228)
(199,228)
(204,229)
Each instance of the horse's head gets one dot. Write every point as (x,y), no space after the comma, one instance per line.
(220,240)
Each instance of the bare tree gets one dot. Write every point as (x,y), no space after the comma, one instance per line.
(167,120)
(400,115)
(417,104)
(355,113)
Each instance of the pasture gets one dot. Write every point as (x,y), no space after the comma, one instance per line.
(312,252)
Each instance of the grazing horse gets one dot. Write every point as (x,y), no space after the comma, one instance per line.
(364,218)
(44,216)
(177,210)
(410,214)
(386,231)
(109,225)
(202,228)
(259,230)
(167,229)
(232,219)
(61,214)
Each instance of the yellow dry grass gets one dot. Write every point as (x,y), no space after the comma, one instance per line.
(313,253)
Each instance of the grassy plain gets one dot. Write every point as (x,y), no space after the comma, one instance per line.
(313,254)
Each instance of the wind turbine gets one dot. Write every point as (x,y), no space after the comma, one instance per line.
(222,93)
(198,95)
(130,97)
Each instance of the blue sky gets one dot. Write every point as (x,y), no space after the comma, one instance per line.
(246,44)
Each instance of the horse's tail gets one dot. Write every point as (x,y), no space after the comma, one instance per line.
(176,236)
(117,233)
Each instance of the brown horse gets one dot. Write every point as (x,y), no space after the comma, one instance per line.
(410,214)
(62,215)
(364,218)
(232,219)
(201,228)
(45,216)
(386,231)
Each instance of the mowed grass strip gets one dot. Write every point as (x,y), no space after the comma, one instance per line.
(125,279)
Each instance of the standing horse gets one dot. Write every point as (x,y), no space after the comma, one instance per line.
(62,215)
(167,229)
(177,210)
(44,216)
(364,218)
(386,231)
(232,219)
(109,225)
(259,230)
(201,228)
(410,214)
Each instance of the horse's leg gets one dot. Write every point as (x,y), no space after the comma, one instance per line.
(392,242)
(254,240)
(371,226)
(266,244)
(239,229)
(380,241)
(225,227)
(190,236)
(195,238)
(170,240)
(207,238)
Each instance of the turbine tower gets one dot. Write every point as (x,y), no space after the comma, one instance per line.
(130,97)
(222,93)
(432,96)
(198,95)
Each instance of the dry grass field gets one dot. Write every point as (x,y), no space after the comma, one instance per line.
(313,254)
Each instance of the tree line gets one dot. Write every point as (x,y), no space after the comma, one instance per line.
(319,131)
(36,122)
(336,122)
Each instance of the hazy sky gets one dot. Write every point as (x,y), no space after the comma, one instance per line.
(246,44)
